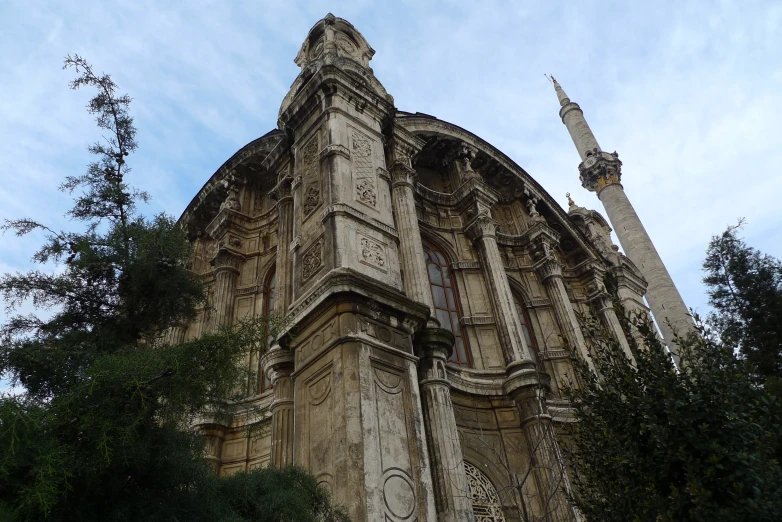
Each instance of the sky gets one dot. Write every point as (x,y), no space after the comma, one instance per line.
(688,93)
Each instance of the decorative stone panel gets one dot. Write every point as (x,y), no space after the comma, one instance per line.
(310,177)
(312,260)
(364,175)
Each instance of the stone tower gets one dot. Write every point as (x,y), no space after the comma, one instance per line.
(601,172)
(433,286)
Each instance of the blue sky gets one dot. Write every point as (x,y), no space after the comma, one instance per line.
(688,93)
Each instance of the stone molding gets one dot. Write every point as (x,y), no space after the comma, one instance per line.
(342,209)
(334,149)
(475,320)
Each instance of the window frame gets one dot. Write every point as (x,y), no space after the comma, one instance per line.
(269,297)
(526,322)
(446,283)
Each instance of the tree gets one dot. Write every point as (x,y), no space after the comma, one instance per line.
(745,291)
(657,443)
(101,429)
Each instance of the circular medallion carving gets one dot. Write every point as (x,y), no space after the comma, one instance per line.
(399,496)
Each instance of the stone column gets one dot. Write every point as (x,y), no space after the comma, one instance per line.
(284,196)
(542,242)
(550,272)
(482,230)
(451,493)
(227,263)
(411,249)
(175,334)
(278,364)
(545,459)
(402,146)
(605,308)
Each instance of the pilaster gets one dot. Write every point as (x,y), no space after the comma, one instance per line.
(605,308)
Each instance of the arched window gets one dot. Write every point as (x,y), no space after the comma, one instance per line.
(269,288)
(526,325)
(446,302)
(486,504)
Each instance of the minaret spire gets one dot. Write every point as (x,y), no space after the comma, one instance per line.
(601,172)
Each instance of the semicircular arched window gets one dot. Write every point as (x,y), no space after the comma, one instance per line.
(486,505)
(526,325)
(269,288)
(446,302)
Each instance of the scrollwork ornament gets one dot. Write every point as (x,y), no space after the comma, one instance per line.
(312,260)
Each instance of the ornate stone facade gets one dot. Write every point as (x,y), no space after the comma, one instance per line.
(433,285)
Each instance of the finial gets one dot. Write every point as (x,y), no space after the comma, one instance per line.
(570,202)
(561,96)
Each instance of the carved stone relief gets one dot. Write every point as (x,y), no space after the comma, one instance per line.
(363,169)
(310,176)
(312,260)
(372,253)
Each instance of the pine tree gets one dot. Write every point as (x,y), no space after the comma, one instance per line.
(745,291)
(100,430)
(657,443)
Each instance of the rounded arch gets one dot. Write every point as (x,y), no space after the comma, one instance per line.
(519,287)
(270,290)
(264,273)
(431,237)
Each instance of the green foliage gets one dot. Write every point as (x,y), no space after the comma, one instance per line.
(657,443)
(745,291)
(101,428)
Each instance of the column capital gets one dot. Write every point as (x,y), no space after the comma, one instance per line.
(227,259)
(283,191)
(402,174)
(599,170)
(482,226)
(403,145)
(548,267)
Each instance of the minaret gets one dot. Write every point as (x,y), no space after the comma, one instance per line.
(601,172)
